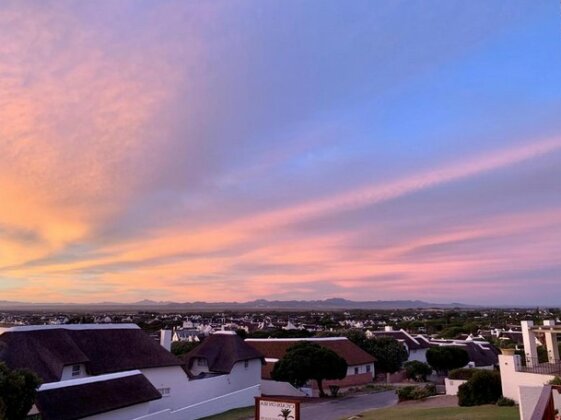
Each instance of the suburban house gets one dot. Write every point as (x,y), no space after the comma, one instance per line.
(416,346)
(222,353)
(186,334)
(360,370)
(116,371)
(118,395)
(525,379)
(482,354)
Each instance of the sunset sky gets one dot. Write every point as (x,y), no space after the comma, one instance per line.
(234,150)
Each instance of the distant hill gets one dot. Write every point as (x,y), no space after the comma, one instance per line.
(259,304)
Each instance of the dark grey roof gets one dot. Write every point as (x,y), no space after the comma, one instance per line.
(78,401)
(47,351)
(480,354)
(222,351)
(412,342)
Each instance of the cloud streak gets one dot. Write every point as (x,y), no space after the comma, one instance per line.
(204,150)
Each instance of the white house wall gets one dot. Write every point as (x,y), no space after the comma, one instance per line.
(419,355)
(270,387)
(185,392)
(126,413)
(361,369)
(67,373)
(511,380)
(240,398)
(172,377)
(453,385)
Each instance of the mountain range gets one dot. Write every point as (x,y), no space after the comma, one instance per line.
(259,304)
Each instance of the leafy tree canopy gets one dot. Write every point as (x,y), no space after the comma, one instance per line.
(182,347)
(18,388)
(445,358)
(309,361)
(389,352)
(416,370)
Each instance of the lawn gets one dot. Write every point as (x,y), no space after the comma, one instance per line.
(483,412)
(236,414)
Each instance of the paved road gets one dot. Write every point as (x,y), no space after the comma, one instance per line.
(346,406)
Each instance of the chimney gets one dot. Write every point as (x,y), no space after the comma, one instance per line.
(388,328)
(165,339)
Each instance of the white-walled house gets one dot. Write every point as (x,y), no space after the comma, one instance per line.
(482,354)
(525,381)
(416,346)
(78,363)
(360,364)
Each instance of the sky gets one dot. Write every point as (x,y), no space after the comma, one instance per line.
(235,150)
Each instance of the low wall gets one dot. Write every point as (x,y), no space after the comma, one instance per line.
(280,388)
(452,385)
(242,398)
(396,377)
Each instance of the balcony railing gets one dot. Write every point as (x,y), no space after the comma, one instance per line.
(532,365)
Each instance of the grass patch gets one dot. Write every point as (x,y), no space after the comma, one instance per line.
(235,414)
(482,412)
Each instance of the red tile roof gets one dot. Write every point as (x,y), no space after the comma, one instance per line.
(275,348)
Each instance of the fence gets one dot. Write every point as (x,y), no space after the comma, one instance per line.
(533,365)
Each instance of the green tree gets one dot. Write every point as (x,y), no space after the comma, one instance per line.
(18,388)
(452,332)
(417,371)
(445,358)
(484,387)
(358,337)
(389,352)
(182,347)
(309,361)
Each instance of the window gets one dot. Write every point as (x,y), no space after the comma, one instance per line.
(356,371)
(164,391)
(201,362)
(246,364)
(368,368)
(76,370)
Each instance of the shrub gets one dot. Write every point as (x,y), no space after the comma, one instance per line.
(505,402)
(405,393)
(417,371)
(416,392)
(462,373)
(555,381)
(484,387)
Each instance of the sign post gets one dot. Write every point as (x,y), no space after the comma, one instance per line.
(272,408)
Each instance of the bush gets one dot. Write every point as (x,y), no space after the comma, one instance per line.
(416,392)
(555,381)
(505,402)
(484,387)
(462,373)
(417,371)
(405,393)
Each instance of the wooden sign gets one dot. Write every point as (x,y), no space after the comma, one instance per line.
(271,408)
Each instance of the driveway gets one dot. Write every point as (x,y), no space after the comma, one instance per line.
(346,406)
